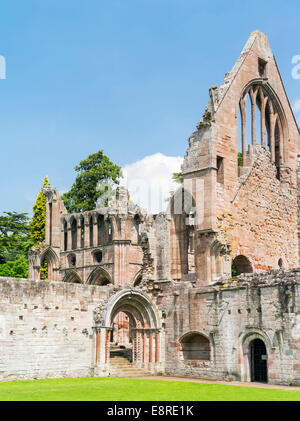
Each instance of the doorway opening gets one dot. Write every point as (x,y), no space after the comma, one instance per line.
(258,361)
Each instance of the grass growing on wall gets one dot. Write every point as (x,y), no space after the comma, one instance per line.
(118,389)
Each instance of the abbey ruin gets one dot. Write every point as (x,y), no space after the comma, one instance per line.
(209,288)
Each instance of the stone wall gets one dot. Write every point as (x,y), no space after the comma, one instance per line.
(46,328)
(263,219)
(232,314)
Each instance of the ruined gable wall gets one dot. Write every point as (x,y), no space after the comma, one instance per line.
(225,129)
(262,223)
(46,328)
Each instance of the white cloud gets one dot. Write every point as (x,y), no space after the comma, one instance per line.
(149,180)
(296,109)
(296,106)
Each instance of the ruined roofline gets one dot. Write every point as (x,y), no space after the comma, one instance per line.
(230,76)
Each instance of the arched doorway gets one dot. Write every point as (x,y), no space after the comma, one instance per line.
(258,361)
(131,329)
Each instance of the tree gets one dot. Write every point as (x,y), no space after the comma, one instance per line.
(14,236)
(177,177)
(84,193)
(15,269)
(240,159)
(38,221)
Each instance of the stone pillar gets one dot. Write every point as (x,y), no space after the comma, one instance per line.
(150,346)
(121,261)
(272,132)
(79,233)
(263,117)
(244,133)
(156,346)
(97,345)
(86,231)
(203,242)
(144,346)
(95,231)
(69,233)
(253,95)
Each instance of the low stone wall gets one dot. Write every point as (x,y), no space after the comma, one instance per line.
(46,328)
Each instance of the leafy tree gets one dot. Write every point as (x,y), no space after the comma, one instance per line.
(44,270)
(85,191)
(14,236)
(15,269)
(240,159)
(38,221)
(177,177)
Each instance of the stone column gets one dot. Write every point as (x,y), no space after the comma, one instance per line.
(69,233)
(263,101)
(97,345)
(244,133)
(144,346)
(150,346)
(79,233)
(86,231)
(95,231)
(253,95)
(157,346)
(272,133)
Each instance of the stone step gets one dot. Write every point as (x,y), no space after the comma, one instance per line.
(121,367)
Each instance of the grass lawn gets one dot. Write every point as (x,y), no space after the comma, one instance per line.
(118,389)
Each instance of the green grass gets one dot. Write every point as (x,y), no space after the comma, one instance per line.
(117,389)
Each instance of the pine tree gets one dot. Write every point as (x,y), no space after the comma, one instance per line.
(38,221)
(38,225)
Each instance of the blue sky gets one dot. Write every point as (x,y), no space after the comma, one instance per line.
(130,77)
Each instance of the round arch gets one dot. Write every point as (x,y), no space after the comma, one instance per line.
(132,297)
(195,346)
(246,339)
(241,264)
(144,329)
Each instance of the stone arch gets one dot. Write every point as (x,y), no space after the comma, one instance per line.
(137,279)
(195,346)
(146,327)
(241,264)
(72,277)
(100,277)
(244,349)
(265,101)
(71,259)
(52,260)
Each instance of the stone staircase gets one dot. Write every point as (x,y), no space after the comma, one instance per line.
(121,367)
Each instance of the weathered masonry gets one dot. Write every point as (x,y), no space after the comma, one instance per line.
(208,288)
